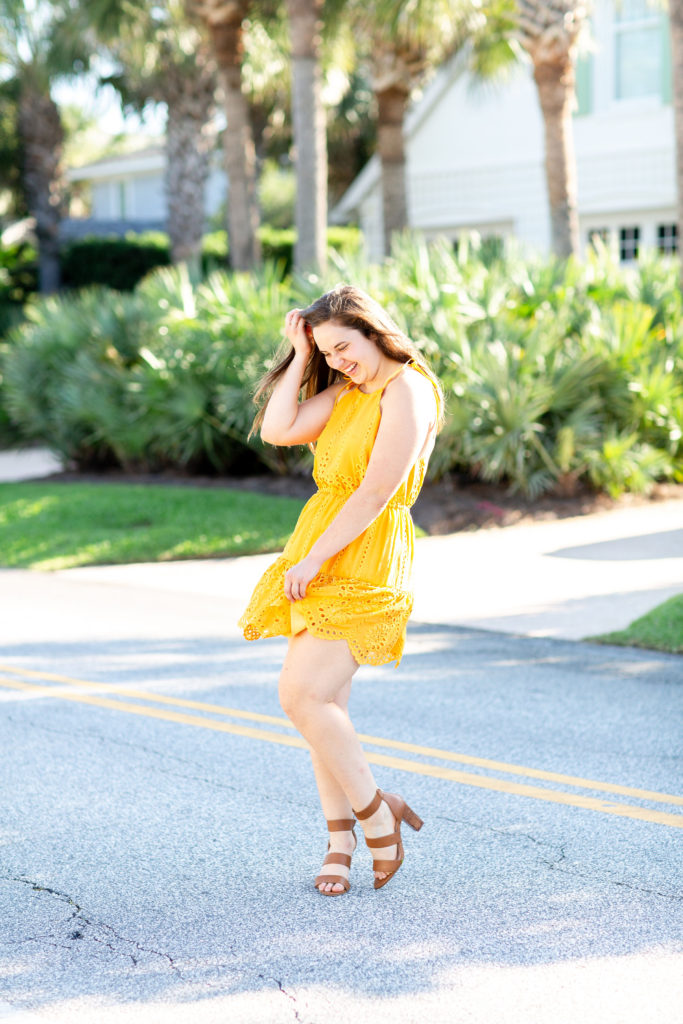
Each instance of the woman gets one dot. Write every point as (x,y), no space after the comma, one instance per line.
(341,589)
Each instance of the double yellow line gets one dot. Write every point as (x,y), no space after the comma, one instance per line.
(72,690)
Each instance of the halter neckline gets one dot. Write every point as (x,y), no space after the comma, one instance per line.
(378,391)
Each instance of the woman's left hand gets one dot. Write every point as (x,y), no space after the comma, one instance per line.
(299,576)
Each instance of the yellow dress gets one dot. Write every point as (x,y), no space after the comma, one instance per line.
(363,593)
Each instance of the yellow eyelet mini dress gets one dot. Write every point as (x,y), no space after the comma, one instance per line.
(362,594)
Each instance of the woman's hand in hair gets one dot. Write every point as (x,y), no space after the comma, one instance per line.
(299,333)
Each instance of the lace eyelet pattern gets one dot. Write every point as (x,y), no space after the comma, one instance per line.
(363,594)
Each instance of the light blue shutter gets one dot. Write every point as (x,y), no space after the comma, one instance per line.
(584,84)
(667,83)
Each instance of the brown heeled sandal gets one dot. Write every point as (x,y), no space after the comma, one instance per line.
(337,825)
(401,812)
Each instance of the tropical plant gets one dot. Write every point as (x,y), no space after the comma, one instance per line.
(38,46)
(555,377)
(225,22)
(308,122)
(402,41)
(160,55)
(549,31)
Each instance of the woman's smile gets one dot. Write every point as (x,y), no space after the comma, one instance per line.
(350,352)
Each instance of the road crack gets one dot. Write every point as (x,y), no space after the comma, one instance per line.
(82,927)
(557,861)
(288,995)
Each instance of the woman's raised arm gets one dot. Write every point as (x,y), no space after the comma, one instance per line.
(287,421)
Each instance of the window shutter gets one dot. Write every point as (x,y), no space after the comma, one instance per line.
(667,85)
(584,85)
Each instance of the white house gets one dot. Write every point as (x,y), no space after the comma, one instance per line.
(475,152)
(128,192)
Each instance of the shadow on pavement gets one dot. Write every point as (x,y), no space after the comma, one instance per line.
(667,544)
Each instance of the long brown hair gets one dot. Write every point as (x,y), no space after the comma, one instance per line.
(349,307)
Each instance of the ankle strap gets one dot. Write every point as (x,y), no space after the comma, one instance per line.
(368,811)
(341,825)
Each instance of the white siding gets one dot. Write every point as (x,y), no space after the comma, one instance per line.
(476,156)
(132,188)
(146,197)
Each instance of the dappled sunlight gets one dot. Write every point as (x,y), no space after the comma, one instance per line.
(26,508)
(448,987)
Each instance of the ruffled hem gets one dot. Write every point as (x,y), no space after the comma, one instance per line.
(371,619)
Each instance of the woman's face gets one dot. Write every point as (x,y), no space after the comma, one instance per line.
(349,351)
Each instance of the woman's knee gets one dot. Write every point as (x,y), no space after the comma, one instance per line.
(293,694)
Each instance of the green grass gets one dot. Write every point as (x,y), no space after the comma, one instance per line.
(59,526)
(661,629)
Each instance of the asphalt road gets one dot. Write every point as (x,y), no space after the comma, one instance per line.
(159,837)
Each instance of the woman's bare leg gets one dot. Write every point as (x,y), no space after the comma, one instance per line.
(335,804)
(314,687)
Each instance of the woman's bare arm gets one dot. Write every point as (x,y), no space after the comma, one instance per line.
(287,421)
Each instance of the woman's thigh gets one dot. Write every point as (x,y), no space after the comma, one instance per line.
(317,669)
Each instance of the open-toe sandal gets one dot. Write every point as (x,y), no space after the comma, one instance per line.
(337,825)
(401,812)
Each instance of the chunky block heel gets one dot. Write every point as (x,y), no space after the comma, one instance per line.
(401,812)
(412,819)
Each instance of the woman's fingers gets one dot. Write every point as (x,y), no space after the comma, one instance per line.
(295,589)
(298,577)
(296,330)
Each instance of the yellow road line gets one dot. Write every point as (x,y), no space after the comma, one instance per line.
(147,712)
(435,771)
(376,741)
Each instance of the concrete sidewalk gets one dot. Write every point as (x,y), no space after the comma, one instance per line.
(27,464)
(570,578)
(567,578)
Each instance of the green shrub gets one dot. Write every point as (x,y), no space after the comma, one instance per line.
(554,375)
(18,280)
(151,380)
(277,244)
(116,262)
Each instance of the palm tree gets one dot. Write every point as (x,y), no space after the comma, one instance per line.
(549,31)
(224,20)
(308,119)
(190,141)
(405,39)
(163,57)
(36,49)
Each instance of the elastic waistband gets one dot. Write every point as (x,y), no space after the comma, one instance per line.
(329,489)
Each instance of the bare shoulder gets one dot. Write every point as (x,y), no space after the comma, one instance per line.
(411,390)
(334,390)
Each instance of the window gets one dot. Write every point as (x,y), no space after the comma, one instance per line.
(638,50)
(667,238)
(629,239)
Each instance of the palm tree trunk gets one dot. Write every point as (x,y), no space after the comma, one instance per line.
(310,138)
(227,38)
(392,104)
(42,139)
(676,22)
(555,82)
(189,143)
